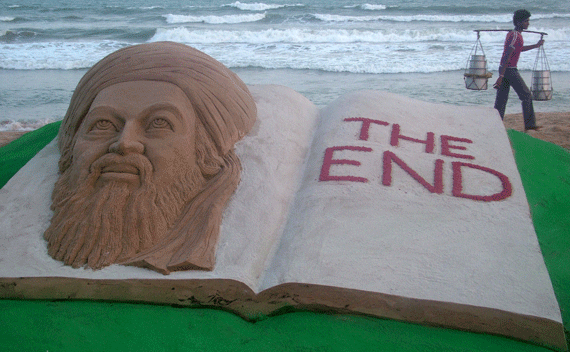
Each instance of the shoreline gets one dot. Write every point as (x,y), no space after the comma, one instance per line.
(555,128)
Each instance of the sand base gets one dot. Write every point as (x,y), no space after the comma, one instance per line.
(494,139)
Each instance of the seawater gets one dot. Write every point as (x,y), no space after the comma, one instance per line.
(343,43)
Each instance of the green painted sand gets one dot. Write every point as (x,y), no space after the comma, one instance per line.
(545,172)
(86,326)
(16,154)
(102,326)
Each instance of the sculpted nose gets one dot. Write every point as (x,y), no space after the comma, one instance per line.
(128,143)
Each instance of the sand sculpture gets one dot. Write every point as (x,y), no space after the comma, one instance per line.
(147,161)
(375,204)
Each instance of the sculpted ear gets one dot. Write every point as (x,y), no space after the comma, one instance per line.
(207,157)
(66,158)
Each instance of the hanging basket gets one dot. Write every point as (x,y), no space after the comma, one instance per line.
(476,74)
(541,87)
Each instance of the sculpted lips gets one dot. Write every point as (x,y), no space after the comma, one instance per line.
(121,168)
(130,167)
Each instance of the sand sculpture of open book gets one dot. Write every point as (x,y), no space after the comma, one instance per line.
(375,204)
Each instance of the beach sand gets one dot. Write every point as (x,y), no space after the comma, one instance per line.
(8,136)
(555,128)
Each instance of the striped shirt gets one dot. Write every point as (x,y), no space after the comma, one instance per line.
(515,41)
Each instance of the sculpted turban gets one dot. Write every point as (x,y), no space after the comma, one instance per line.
(221,99)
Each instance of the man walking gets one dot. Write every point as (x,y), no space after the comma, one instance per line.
(509,74)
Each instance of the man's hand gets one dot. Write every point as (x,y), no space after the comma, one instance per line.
(498,82)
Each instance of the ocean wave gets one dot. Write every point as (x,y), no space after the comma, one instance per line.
(500,18)
(415,18)
(553,35)
(299,48)
(55,55)
(293,35)
(558,35)
(305,35)
(227,19)
(17,126)
(257,6)
(12,36)
(348,58)
(369,7)
(151,7)
(549,16)
(7,19)
(373,7)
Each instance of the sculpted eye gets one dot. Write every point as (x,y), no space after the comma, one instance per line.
(103,125)
(160,123)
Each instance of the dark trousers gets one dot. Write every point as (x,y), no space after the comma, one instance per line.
(513,79)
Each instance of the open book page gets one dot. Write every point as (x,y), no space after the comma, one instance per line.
(415,200)
(272,158)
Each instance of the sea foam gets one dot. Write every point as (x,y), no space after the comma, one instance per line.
(175,19)
(254,6)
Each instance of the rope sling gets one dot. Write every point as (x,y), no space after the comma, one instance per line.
(541,87)
(476,75)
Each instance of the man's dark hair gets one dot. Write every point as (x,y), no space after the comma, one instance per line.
(519,16)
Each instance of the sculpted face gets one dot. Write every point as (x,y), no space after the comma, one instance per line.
(147,162)
(140,120)
(134,169)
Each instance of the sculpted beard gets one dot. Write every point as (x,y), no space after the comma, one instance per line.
(99,226)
